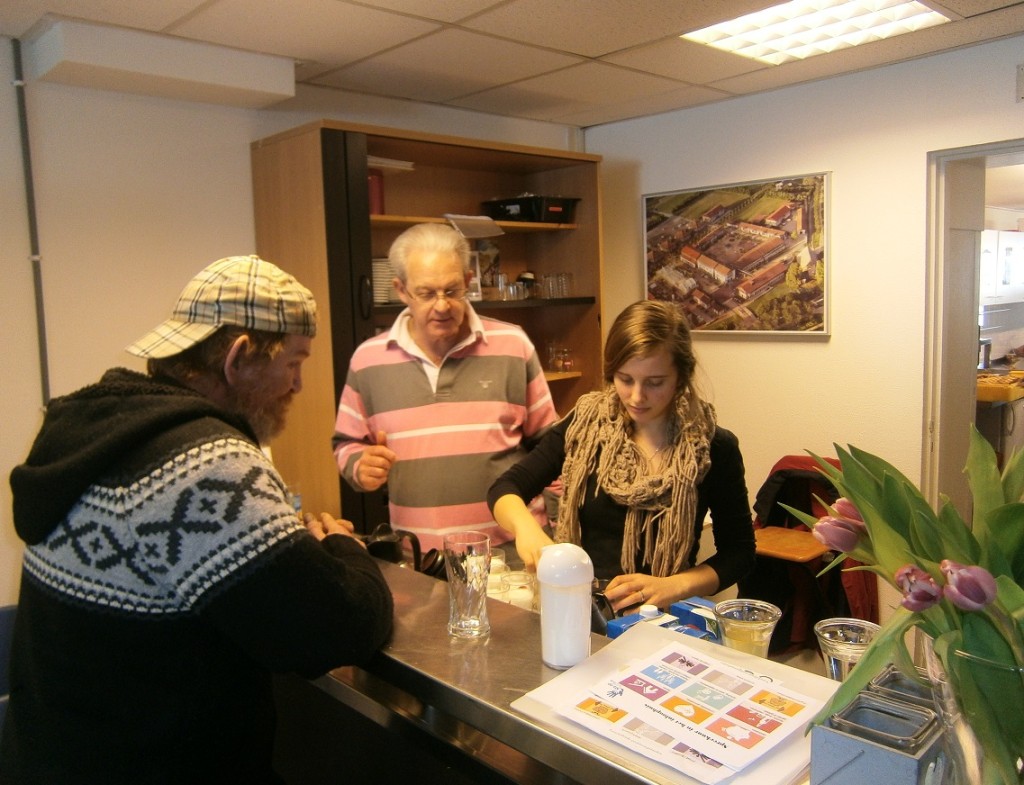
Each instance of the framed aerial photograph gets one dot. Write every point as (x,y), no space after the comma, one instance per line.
(745,258)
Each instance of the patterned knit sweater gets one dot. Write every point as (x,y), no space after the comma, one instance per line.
(166,578)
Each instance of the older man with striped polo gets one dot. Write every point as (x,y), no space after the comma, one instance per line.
(445,401)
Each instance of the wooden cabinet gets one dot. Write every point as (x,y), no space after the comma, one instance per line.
(311,201)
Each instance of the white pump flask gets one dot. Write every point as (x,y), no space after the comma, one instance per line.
(566,576)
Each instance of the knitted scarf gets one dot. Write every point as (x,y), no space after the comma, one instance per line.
(661,507)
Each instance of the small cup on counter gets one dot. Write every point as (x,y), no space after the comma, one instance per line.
(522,589)
(842,642)
(747,625)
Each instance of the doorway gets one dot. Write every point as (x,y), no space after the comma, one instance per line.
(956,218)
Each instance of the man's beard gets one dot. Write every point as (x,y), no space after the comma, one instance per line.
(250,400)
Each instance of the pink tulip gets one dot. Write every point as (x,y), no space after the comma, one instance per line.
(920,591)
(968,588)
(839,534)
(846,509)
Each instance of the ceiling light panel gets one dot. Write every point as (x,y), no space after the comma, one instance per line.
(805,28)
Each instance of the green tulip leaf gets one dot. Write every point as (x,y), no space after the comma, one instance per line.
(1011,596)
(891,549)
(926,539)
(804,517)
(879,467)
(1013,477)
(955,537)
(990,689)
(984,479)
(1002,541)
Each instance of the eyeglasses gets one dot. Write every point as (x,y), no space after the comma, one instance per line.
(431,296)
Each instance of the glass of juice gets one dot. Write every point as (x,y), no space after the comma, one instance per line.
(747,625)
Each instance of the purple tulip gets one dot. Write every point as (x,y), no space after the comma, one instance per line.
(920,591)
(846,509)
(968,588)
(838,534)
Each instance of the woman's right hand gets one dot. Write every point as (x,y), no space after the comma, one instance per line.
(512,515)
(529,545)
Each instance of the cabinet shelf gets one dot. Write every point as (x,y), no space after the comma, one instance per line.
(510,227)
(557,376)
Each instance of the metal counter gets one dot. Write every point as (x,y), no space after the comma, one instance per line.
(460,691)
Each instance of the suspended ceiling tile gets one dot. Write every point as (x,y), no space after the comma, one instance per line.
(642,107)
(326,37)
(598,27)
(18,16)
(446,65)
(329,32)
(1005,22)
(968,8)
(443,10)
(574,89)
(679,59)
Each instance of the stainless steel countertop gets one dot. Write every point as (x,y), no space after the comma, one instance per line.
(460,690)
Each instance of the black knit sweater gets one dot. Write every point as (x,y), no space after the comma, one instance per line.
(166,578)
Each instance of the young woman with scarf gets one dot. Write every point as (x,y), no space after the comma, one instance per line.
(642,463)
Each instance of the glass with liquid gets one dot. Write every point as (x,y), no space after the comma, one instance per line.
(747,625)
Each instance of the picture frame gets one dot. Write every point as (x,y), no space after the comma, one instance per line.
(746,258)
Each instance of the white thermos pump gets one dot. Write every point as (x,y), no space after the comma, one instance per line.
(566,575)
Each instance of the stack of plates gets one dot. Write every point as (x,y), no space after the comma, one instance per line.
(383,291)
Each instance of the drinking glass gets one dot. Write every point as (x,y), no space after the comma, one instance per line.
(467,557)
(522,589)
(747,625)
(842,642)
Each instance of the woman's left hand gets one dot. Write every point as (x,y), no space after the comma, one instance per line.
(635,589)
(627,591)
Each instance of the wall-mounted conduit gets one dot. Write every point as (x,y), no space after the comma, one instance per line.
(33,230)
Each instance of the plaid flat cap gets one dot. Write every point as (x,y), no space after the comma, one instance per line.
(244,291)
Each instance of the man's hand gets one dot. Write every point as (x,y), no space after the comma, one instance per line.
(328,524)
(375,464)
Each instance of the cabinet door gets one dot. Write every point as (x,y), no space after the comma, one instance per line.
(1002,267)
(347,225)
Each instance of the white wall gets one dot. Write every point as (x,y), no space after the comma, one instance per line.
(135,195)
(872,131)
(19,383)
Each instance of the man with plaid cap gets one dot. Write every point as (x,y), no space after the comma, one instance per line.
(166,575)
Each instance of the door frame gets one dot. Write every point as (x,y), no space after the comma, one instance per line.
(956,218)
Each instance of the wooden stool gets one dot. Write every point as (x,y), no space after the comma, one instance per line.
(795,545)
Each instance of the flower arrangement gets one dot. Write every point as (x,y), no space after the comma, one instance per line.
(961,585)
